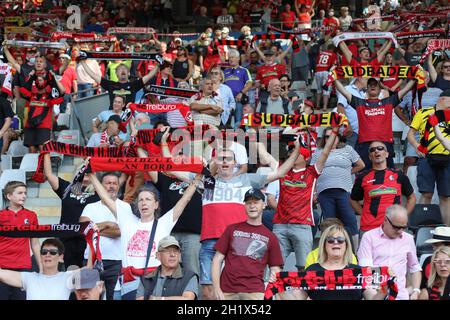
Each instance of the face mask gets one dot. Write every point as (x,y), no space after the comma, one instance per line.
(209,35)
(32,60)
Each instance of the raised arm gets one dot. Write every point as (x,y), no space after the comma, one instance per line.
(52,179)
(285,52)
(431,68)
(384,49)
(346,51)
(340,87)
(97,77)
(103,194)
(150,75)
(11,278)
(11,59)
(405,89)
(445,141)
(286,166)
(327,149)
(186,198)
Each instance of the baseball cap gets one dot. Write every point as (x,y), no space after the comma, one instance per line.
(177,39)
(254,193)
(441,234)
(445,93)
(85,279)
(168,242)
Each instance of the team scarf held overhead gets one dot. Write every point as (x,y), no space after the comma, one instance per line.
(345,279)
(59,231)
(171,92)
(280,36)
(438,117)
(347,36)
(420,34)
(326,119)
(433,45)
(304,31)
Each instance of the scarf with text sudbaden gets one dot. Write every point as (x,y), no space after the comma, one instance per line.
(59,231)
(326,119)
(439,116)
(345,279)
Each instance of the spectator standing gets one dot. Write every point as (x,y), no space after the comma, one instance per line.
(335,182)
(288,18)
(325,61)
(16,251)
(379,187)
(388,245)
(247,248)
(85,82)
(225,19)
(442,80)
(345,20)
(183,67)
(226,95)
(106,221)
(68,80)
(206,106)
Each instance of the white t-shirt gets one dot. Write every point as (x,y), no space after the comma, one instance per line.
(97,212)
(42,287)
(136,234)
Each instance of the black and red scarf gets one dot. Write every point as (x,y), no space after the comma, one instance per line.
(439,116)
(280,36)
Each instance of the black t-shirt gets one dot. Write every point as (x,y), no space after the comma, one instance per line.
(121,22)
(171,190)
(5,111)
(127,89)
(355,294)
(72,206)
(441,83)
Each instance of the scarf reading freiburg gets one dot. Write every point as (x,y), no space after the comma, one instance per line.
(439,116)
(158,108)
(345,279)
(59,231)
(326,119)
(420,34)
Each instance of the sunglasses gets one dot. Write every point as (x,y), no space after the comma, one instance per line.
(395,226)
(227,159)
(332,240)
(446,67)
(444,262)
(53,252)
(379,148)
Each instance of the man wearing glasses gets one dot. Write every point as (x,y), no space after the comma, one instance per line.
(374,117)
(388,245)
(379,188)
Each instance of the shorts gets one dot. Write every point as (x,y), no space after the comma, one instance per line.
(294,237)
(321,78)
(35,136)
(206,256)
(428,177)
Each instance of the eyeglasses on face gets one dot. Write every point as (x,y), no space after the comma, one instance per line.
(395,226)
(227,159)
(378,148)
(442,262)
(332,240)
(446,66)
(53,252)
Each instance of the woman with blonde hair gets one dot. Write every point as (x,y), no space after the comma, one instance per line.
(440,267)
(335,253)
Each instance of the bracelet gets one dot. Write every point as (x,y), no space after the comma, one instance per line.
(416,290)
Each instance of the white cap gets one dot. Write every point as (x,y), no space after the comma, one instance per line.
(225,30)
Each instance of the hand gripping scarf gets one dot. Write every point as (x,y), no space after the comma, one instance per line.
(345,279)
(59,231)
(439,116)
(433,45)
(158,108)
(326,119)
(346,36)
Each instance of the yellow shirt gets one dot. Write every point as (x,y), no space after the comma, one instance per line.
(313,257)
(419,122)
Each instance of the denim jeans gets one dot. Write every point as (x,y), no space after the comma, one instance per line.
(206,256)
(238,115)
(335,203)
(85,86)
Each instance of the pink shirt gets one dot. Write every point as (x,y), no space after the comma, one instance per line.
(377,249)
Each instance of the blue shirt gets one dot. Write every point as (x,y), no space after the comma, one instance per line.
(236,78)
(349,110)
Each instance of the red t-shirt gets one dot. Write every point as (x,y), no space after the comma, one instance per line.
(356,62)
(15,252)
(296,197)
(379,189)
(288,19)
(331,22)
(325,60)
(375,118)
(266,73)
(68,77)
(248,249)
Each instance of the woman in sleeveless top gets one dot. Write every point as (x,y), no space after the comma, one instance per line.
(183,68)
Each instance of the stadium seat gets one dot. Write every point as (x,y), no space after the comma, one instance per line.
(17,149)
(69,136)
(29,162)
(423,234)
(63,120)
(424,215)
(6,162)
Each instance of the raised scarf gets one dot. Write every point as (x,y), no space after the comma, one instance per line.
(346,36)
(433,45)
